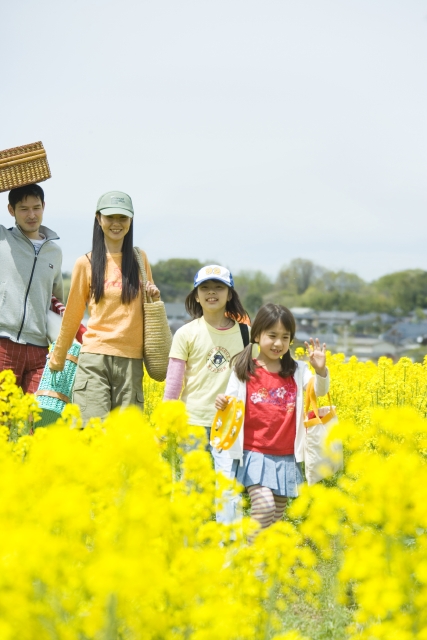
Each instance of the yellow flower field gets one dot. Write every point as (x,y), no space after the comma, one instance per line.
(108,533)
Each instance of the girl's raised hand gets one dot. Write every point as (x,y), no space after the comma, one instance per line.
(317,356)
(221,402)
(152,290)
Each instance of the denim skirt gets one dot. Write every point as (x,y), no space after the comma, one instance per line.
(281,474)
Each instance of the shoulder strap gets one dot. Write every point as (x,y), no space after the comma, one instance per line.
(244,332)
(87,256)
(311,398)
(141,266)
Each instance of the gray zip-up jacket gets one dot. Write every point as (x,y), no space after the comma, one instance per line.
(27,282)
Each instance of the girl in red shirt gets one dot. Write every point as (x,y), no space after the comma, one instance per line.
(270,446)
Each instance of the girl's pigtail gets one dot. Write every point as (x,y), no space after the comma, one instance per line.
(244,366)
(288,365)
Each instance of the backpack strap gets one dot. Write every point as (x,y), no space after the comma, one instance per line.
(244,332)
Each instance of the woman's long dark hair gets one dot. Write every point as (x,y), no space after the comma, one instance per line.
(130,272)
(267,316)
(233,309)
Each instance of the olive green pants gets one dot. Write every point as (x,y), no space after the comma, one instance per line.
(105,382)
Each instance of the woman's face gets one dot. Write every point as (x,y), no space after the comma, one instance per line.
(114,227)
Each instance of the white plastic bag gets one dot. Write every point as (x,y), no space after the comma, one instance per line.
(322,459)
(54,323)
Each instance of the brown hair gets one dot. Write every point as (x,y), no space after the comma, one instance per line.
(233,309)
(267,316)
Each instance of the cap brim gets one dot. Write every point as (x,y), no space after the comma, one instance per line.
(212,278)
(112,211)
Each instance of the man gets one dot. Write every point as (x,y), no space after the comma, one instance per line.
(30,272)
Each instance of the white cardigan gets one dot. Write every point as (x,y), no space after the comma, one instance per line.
(301,376)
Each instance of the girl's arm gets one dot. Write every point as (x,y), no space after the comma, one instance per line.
(231,390)
(321,384)
(317,357)
(74,312)
(174,379)
(317,354)
(233,385)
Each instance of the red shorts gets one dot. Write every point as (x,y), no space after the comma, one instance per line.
(26,361)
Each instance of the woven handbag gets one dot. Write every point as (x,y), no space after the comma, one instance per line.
(321,459)
(157,334)
(56,387)
(23,165)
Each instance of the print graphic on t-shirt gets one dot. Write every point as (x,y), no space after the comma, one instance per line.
(217,359)
(280,397)
(116,280)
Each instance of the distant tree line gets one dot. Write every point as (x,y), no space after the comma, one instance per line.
(302,283)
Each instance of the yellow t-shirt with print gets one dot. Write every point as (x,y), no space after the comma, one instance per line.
(207,352)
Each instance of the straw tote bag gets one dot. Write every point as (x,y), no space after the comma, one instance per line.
(157,334)
(321,460)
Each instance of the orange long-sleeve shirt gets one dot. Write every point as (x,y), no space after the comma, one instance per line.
(113,328)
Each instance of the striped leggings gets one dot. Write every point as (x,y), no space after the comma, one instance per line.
(266,507)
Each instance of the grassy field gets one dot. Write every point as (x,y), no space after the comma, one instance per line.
(325,623)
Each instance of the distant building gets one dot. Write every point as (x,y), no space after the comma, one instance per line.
(334,328)
(335,317)
(403,333)
(384,318)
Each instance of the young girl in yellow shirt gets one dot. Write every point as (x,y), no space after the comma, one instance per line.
(199,360)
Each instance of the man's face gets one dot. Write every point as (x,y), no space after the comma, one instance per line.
(28,214)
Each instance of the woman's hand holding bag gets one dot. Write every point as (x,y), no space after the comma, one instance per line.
(322,459)
(157,337)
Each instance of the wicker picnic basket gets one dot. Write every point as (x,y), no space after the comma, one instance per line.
(55,388)
(23,165)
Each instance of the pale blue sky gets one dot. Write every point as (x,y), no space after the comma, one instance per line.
(252,131)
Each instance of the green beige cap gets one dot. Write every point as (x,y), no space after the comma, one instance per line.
(114,202)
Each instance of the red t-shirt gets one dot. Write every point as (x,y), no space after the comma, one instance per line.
(270,422)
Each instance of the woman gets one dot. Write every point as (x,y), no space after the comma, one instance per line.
(109,373)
